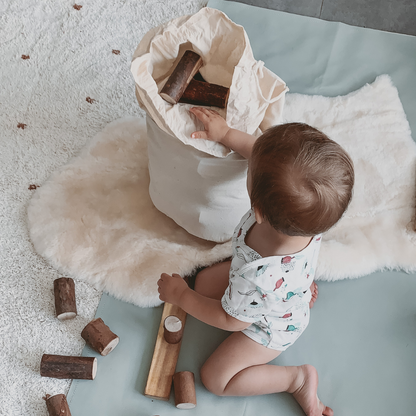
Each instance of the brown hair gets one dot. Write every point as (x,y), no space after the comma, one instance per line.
(301,180)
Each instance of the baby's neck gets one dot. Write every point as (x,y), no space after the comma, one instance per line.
(267,241)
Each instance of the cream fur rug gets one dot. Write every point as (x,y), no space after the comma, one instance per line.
(93,219)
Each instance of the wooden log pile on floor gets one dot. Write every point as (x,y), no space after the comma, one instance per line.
(101,339)
(186,85)
(96,334)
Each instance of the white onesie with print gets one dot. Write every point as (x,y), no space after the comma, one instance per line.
(272,293)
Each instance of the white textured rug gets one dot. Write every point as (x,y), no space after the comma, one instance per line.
(65,74)
(53,57)
(94,220)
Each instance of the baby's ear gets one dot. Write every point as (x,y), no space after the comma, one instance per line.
(258,215)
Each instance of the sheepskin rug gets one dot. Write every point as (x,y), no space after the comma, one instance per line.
(93,218)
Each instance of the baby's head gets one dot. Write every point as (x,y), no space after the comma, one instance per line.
(300,180)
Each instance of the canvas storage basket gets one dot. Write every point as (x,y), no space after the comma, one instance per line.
(201,184)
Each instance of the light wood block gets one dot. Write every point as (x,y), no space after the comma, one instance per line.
(165,357)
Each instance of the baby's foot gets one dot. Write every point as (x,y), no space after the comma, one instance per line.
(314,291)
(306,394)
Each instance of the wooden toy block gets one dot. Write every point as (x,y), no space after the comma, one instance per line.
(204,93)
(57,405)
(184,387)
(61,366)
(65,303)
(99,337)
(181,76)
(165,357)
(173,329)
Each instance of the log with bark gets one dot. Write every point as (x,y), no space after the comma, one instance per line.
(62,366)
(57,405)
(99,337)
(205,93)
(184,388)
(65,303)
(181,76)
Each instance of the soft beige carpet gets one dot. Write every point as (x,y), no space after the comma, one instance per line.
(93,218)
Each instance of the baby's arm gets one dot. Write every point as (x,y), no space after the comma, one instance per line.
(173,289)
(217,130)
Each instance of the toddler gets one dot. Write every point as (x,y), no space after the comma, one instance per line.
(300,183)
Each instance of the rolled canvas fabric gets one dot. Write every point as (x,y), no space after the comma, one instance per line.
(198,183)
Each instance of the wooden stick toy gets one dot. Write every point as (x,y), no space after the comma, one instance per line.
(165,357)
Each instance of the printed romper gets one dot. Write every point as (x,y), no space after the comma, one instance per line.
(272,293)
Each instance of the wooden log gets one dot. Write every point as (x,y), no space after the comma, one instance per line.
(165,357)
(61,366)
(204,93)
(57,405)
(184,387)
(173,329)
(99,336)
(181,76)
(65,303)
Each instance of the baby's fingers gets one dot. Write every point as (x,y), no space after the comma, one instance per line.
(199,135)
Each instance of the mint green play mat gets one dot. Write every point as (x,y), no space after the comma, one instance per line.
(362,335)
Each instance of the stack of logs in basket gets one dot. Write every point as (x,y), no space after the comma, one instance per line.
(186,85)
(97,334)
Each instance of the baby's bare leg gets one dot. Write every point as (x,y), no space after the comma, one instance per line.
(239,368)
(212,281)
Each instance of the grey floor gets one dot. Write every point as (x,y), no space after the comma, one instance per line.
(390,15)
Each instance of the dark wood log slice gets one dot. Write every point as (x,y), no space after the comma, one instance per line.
(57,405)
(204,93)
(65,303)
(181,76)
(61,366)
(99,336)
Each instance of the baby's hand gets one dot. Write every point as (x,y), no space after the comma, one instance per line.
(216,127)
(171,288)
